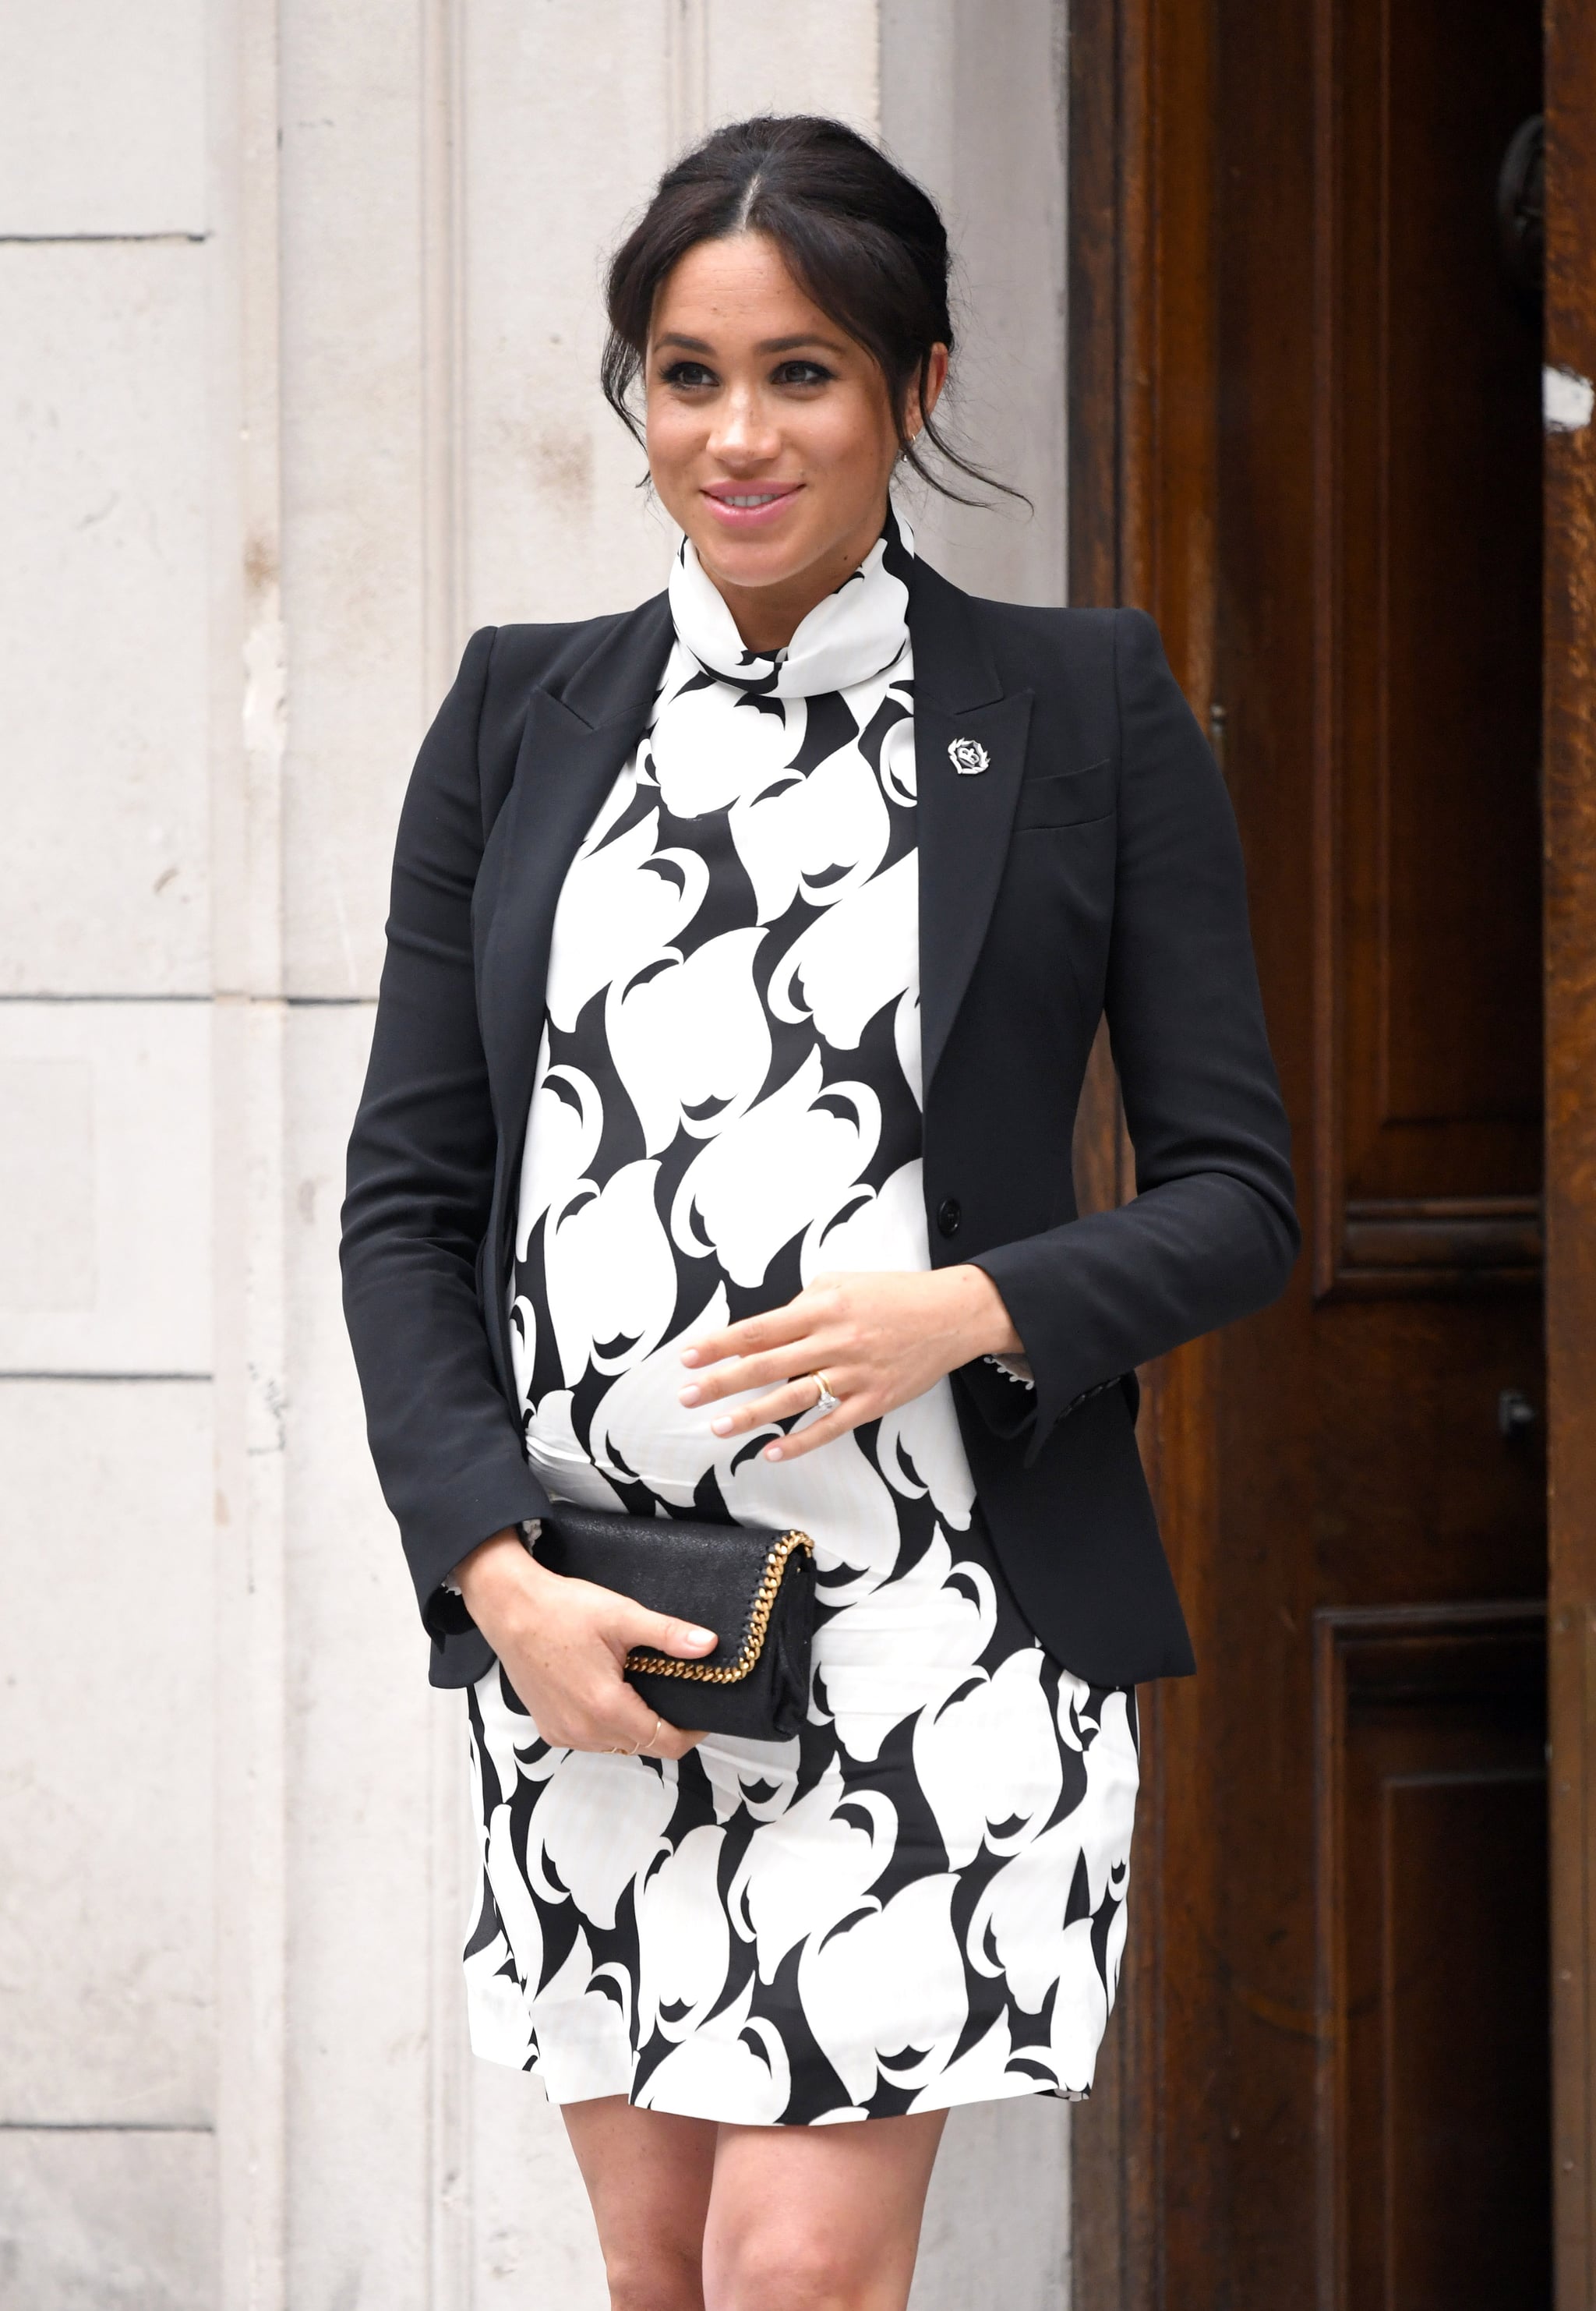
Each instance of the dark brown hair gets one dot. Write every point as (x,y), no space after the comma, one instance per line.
(860,238)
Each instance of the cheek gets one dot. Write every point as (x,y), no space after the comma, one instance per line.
(673,440)
(856,436)
(848,454)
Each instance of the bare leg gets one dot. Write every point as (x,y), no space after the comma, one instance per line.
(818,2218)
(648,2176)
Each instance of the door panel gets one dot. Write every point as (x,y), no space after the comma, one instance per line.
(1433,2086)
(1427,427)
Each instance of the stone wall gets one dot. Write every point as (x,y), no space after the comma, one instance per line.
(298,328)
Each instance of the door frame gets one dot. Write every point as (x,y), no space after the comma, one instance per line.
(1570,837)
(1142,495)
(1142,487)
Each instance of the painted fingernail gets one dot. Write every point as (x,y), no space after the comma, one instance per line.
(689,1356)
(690,1396)
(773,1452)
(723,1427)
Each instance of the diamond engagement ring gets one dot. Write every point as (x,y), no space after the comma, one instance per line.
(825,1401)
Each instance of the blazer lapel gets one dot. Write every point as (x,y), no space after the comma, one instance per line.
(965,816)
(572,746)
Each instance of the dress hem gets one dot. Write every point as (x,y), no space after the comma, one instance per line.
(591,2089)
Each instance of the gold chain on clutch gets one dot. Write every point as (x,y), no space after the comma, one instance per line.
(758,1622)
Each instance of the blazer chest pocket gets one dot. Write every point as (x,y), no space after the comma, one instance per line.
(1067,798)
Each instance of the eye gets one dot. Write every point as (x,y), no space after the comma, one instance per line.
(687,374)
(803,373)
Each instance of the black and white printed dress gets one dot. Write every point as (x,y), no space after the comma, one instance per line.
(920,1901)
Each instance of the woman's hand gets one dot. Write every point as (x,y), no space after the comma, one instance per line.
(563,1644)
(880,1338)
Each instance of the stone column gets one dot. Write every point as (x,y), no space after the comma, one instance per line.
(108,1972)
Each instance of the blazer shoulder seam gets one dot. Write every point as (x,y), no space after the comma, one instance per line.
(566,644)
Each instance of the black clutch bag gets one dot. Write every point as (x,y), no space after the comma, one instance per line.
(756,1589)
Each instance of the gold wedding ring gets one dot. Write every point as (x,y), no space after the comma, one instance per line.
(825,1401)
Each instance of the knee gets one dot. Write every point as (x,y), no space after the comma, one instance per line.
(665,2277)
(784,2266)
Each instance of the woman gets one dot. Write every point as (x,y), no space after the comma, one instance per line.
(744,958)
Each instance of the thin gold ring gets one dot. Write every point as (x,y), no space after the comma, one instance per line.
(828,1400)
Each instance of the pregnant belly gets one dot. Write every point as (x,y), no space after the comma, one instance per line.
(849,1495)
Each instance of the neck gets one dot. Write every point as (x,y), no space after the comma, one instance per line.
(768,616)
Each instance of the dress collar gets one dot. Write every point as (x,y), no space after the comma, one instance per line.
(855,634)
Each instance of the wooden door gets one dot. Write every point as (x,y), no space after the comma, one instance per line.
(1323,386)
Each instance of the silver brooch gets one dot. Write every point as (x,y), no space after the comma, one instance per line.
(968,755)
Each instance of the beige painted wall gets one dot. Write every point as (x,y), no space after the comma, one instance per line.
(971,94)
(298,325)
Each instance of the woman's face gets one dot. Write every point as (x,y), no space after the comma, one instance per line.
(770,437)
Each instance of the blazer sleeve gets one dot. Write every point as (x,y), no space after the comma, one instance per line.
(1212,1232)
(419,1185)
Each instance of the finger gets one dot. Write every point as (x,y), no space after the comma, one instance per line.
(669,1740)
(773,1329)
(606,1713)
(789,1402)
(852,1413)
(776,1368)
(627,1727)
(663,1632)
(614,1716)
(647,1733)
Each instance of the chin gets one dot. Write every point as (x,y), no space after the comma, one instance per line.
(753,562)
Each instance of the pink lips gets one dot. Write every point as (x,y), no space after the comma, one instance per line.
(777,497)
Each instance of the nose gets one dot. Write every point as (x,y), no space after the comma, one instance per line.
(742,434)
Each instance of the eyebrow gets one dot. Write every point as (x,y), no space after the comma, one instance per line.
(767,345)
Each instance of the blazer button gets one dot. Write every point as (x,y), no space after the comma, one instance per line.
(948,1216)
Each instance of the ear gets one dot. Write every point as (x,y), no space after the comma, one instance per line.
(935,377)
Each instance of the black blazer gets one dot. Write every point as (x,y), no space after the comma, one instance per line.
(1091,868)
